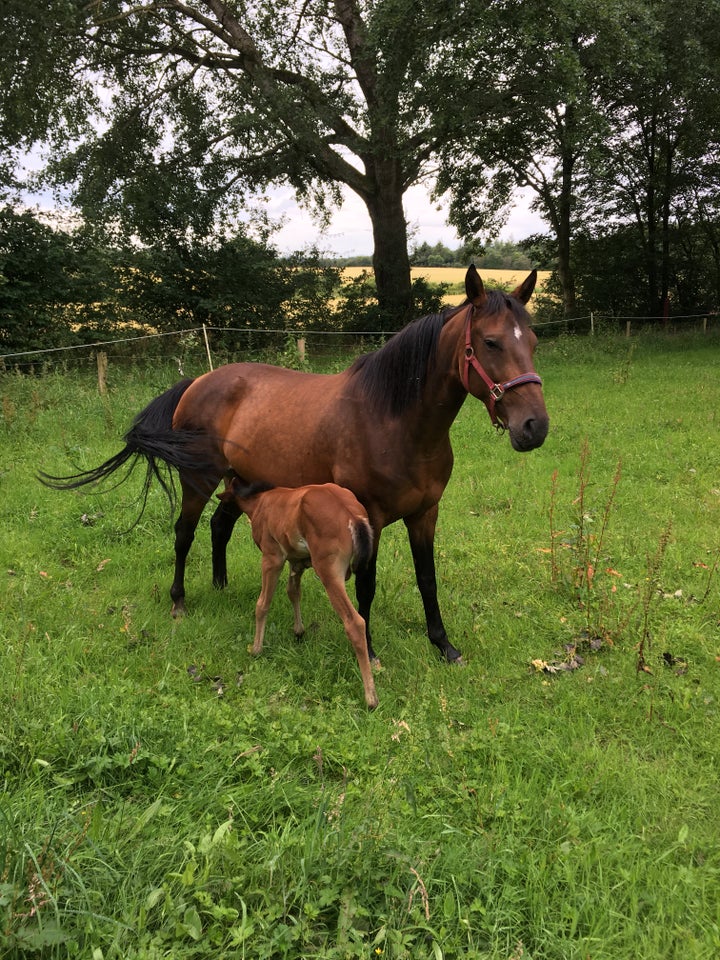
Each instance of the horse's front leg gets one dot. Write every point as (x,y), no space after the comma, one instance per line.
(421,531)
(365,580)
(221,527)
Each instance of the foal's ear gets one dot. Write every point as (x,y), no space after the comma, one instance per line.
(474,289)
(230,491)
(525,290)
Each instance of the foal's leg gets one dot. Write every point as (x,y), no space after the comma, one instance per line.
(421,531)
(293,592)
(221,527)
(332,574)
(272,564)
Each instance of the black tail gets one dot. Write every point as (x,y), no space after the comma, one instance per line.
(151,436)
(362,536)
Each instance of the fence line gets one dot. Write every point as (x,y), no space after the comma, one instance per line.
(302,335)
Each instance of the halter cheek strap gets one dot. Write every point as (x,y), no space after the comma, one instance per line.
(496,390)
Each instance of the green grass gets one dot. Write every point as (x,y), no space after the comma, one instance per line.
(492,811)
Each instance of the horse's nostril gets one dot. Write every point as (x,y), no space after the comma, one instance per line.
(535,429)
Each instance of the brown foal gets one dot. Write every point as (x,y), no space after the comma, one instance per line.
(323,526)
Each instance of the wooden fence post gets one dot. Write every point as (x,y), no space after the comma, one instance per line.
(301,349)
(207,347)
(627,329)
(102,365)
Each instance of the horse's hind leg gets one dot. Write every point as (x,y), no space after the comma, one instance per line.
(421,531)
(196,491)
(185,526)
(221,527)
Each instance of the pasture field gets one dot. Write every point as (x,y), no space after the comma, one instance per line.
(165,795)
(455,278)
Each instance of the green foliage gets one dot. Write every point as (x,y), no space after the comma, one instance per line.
(357,308)
(252,807)
(208,106)
(36,265)
(67,287)
(606,113)
(228,282)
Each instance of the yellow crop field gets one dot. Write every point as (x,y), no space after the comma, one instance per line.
(455,275)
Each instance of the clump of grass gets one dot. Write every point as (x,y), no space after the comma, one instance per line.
(585,548)
(650,592)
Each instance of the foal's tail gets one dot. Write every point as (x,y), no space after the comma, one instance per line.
(362,538)
(151,437)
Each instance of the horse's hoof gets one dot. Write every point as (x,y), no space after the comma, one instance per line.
(375,664)
(458,661)
(178,610)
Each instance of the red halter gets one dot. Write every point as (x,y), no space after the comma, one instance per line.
(497,390)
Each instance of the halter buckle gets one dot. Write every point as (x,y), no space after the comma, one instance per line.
(497,392)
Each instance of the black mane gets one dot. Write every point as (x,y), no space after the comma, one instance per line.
(393,377)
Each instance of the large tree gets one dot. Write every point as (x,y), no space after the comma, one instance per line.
(657,170)
(550,123)
(200,101)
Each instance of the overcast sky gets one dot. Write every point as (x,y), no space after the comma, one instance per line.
(350,235)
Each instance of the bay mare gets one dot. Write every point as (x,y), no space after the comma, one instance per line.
(380,428)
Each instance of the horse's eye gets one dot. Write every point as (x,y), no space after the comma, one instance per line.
(492,344)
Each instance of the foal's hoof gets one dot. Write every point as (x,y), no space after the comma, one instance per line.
(458,661)
(375,664)
(178,610)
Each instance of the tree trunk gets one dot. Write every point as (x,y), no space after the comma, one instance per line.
(564,263)
(567,135)
(391,262)
(559,211)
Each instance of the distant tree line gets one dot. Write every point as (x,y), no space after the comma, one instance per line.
(496,255)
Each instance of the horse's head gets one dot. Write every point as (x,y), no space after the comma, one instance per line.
(497,365)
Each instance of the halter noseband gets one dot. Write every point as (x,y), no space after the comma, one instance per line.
(497,390)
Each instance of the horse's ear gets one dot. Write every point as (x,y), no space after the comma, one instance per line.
(474,289)
(525,290)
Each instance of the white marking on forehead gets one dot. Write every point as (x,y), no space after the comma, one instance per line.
(517,332)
